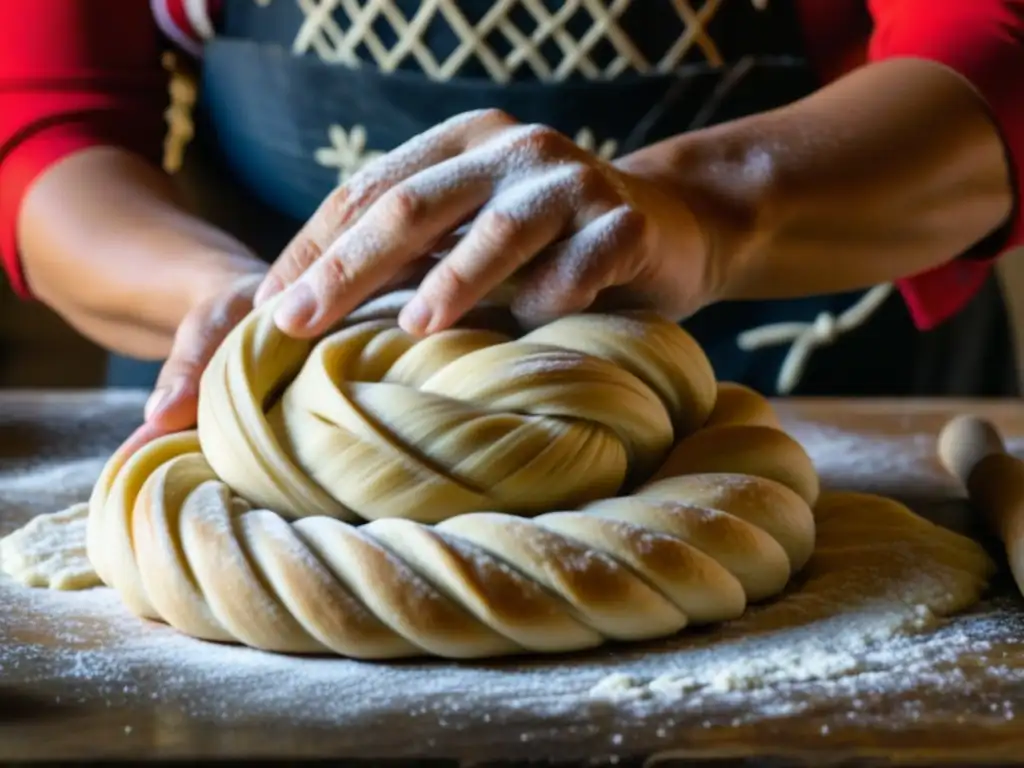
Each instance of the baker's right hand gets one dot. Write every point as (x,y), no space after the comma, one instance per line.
(174,402)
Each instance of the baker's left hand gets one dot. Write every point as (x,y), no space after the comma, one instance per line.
(575,232)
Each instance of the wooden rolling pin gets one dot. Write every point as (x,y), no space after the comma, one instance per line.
(972,450)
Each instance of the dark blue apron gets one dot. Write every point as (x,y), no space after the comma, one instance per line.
(273,130)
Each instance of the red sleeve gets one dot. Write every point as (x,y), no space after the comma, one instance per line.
(982,40)
(73,74)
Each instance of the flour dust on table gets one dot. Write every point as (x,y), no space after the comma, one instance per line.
(861,627)
(864,621)
(878,572)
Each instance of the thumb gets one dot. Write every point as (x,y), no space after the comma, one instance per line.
(174,402)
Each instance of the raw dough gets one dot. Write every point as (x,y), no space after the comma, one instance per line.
(50,551)
(455,449)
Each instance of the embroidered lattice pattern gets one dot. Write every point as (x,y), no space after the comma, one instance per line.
(578,39)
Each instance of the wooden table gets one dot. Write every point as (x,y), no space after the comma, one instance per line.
(66,693)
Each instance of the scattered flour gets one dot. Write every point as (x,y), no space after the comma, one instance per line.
(900,462)
(879,463)
(881,659)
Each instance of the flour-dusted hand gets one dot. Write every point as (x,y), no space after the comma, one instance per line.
(573,230)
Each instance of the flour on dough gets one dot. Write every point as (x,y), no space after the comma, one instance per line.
(50,551)
(878,571)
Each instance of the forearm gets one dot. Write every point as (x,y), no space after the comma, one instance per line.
(888,172)
(105,243)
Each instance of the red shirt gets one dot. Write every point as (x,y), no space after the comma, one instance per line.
(77,73)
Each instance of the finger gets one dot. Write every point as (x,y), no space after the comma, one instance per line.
(605,253)
(146,433)
(173,404)
(517,225)
(404,225)
(343,207)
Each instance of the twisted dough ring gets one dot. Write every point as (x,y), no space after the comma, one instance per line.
(454,449)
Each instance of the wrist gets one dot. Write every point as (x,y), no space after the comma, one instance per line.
(726,178)
(181,265)
(217,272)
(144,323)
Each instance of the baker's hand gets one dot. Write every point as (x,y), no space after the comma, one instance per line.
(174,402)
(574,231)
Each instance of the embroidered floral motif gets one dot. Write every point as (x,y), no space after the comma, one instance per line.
(347,153)
(605,150)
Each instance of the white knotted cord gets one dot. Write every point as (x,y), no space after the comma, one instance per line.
(805,338)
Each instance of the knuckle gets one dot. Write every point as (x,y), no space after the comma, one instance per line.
(373,168)
(498,228)
(346,202)
(446,283)
(238,304)
(494,116)
(298,258)
(589,181)
(402,207)
(217,321)
(334,275)
(540,139)
(364,187)
(335,208)
(191,347)
(207,327)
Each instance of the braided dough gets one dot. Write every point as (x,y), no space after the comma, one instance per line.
(467,495)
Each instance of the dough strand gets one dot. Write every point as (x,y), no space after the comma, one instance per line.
(472,494)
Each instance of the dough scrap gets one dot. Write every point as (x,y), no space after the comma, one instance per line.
(49,551)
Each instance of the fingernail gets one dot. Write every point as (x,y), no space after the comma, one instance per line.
(270,287)
(297,308)
(415,316)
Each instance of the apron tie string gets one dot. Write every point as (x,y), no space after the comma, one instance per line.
(805,338)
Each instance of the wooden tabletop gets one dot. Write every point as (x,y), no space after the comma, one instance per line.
(81,679)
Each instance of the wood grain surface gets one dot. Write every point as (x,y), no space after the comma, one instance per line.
(138,715)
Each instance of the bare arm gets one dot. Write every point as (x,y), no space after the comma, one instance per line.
(894,170)
(104,242)
(88,220)
(890,171)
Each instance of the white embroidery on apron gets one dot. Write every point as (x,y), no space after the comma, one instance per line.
(336,43)
(347,152)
